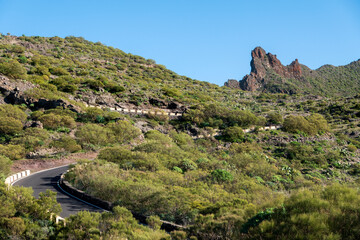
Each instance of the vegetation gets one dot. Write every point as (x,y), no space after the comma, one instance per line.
(213,170)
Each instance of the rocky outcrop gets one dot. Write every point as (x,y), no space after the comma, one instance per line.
(14,93)
(264,66)
(232,83)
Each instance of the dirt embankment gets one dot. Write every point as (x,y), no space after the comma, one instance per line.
(35,165)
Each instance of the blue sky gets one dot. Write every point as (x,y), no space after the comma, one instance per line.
(206,40)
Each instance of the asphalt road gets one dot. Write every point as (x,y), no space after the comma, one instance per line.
(49,180)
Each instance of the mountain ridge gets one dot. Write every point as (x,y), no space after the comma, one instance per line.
(268,74)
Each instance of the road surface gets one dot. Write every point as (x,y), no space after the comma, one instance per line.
(48,179)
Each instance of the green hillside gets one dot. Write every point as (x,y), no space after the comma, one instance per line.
(214,170)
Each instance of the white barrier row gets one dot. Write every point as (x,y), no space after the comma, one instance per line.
(140,111)
(244,130)
(262,128)
(16,176)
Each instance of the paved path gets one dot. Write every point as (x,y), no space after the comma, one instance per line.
(48,179)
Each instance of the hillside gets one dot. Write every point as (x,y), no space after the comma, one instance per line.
(269,75)
(233,164)
(96,74)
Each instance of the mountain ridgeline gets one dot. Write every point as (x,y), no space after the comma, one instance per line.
(268,74)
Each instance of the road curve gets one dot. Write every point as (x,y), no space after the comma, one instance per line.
(48,179)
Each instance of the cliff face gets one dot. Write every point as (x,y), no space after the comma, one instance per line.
(262,64)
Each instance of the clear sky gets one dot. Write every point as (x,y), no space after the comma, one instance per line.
(208,40)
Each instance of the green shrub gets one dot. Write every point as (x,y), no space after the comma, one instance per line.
(67,143)
(123,131)
(274,118)
(233,134)
(54,121)
(9,125)
(8,110)
(94,134)
(59,71)
(31,139)
(93,113)
(178,170)
(314,124)
(295,124)
(5,165)
(319,122)
(13,69)
(178,235)
(352,148)
(14,152)
(187,165)
(117,155)
(154,222)
(221,175)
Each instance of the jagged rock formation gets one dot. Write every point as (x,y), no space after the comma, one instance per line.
(261,64)
(268,74)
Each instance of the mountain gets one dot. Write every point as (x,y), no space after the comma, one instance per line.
(76,69)
(233,165)
(268,74)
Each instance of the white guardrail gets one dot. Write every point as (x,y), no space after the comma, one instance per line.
(17,176)
(141,111)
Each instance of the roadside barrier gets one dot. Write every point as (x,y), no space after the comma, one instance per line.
(17,176)
(165,112)
(247,130)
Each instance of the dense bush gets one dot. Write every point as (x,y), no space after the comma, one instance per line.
(221,175)
(8,110)
(12,69)
(54,121)
(9,125)
(92,134)
(312,125)
(5,164)
(14,152)
(123,131)
(315,214)
(32,139)
(67,143)
(274,118)
(217,116)
(233,134)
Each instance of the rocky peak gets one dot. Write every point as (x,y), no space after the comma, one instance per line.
(262,64)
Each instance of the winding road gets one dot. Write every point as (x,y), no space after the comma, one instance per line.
(48,179)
